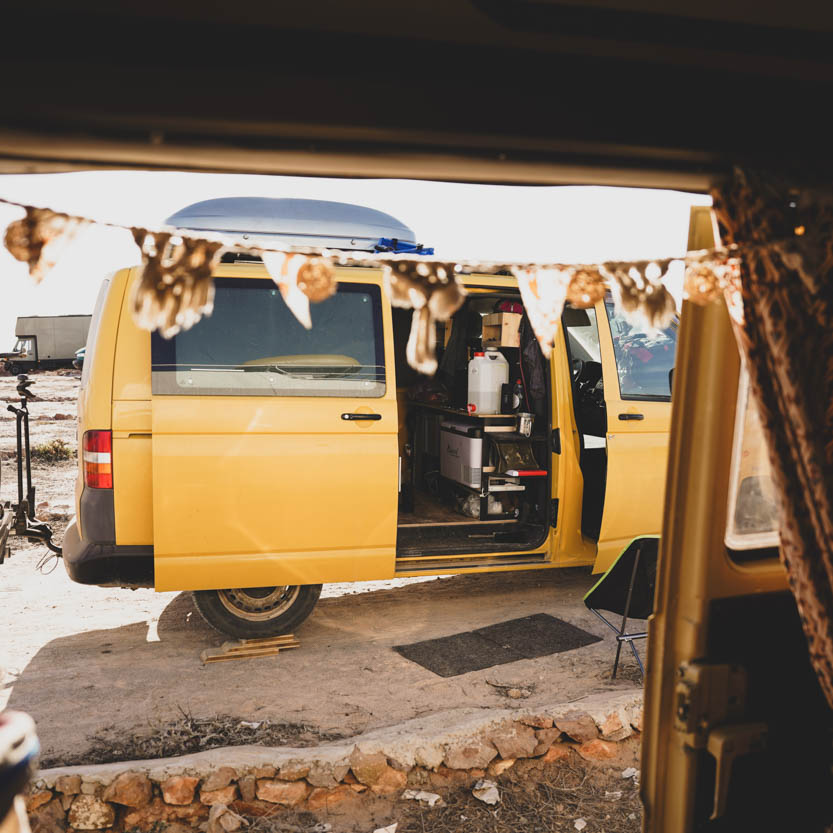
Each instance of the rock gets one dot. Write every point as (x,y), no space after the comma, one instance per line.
(444,778)
(476,752)
(219,778)
(368,768)
(148,818)
(247,787)
(431,799)
(597,750)
(326,775)
(486,791)
(37,799)
(49,818)
(267,772)
(68,784)
(557,752)
(514,741)
(537,721)
(290,772)
(66,802)
(225,795)
(636,721)
(257,809)
(90,813)
(579,726)
(390,782)
(500,766)
(615,728)
(223,820)
(288,793)
(323,799)
(546,738)
(179,789)
(580,824)
(132,789)
(429,757)
(90,788)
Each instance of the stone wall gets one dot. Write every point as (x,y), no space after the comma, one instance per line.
(178,794)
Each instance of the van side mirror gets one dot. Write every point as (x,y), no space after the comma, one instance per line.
(671,380)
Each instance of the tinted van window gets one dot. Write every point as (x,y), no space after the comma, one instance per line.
(253,345)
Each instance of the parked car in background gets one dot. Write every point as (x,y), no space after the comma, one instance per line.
(78,361)
(45,342)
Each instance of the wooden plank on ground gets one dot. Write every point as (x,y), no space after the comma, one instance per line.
(250,648)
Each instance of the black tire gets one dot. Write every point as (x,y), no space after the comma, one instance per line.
(13,369)
(255,612)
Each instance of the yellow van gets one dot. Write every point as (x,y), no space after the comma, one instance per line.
(250,460)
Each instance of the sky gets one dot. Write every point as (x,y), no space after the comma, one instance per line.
(461,221)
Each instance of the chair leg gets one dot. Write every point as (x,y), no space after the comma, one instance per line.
(616,661)
(638,660)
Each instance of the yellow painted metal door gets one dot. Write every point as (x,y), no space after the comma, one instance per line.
(275,447)
(637,384)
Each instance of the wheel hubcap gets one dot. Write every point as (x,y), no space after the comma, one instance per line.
(257,604)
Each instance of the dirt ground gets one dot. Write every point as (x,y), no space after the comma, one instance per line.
(87,661)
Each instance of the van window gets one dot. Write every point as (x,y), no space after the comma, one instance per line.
(252,345)
(92,333)
(644,357)
(752,518)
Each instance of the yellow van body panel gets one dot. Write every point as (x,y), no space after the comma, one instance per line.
(637,458)
(315,495)
(132,455)
(95,396)
(320,502)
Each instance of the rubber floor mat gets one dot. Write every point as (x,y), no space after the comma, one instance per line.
(532,636)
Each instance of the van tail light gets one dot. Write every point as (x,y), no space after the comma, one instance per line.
(98,459)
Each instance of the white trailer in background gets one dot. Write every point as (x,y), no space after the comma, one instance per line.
(46,341)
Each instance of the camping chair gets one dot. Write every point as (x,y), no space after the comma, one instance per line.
(627,590)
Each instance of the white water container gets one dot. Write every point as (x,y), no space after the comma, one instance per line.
(487,372)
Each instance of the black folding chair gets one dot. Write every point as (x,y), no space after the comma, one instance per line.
(627,590)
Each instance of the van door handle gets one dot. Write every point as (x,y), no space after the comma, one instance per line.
(625,417)
(361,416)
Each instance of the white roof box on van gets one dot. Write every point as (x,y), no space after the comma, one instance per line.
(294,222)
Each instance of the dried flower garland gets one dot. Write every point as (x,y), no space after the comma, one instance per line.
(39,238)
(176,286)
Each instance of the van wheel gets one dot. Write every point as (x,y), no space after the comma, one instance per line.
(13,369)
(253,612)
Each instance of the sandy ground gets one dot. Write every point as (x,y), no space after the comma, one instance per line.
(83,659)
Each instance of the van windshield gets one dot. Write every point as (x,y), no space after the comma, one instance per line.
(253,345)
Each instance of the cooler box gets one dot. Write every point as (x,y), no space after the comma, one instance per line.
(461,453)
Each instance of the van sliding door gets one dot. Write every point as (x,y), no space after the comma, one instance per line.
(275,447)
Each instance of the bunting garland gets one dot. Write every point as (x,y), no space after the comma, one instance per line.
(176,286)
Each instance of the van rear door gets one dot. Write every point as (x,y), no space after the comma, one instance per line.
(275,447)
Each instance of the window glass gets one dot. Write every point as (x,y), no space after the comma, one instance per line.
(253,345)
(644,357)
(26,347)
(582,334)
(752,519)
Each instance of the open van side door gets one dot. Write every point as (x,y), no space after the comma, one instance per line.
(637,388)
(274,447)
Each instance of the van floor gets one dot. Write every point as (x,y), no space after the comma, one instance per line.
(430,510)
(434,528)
